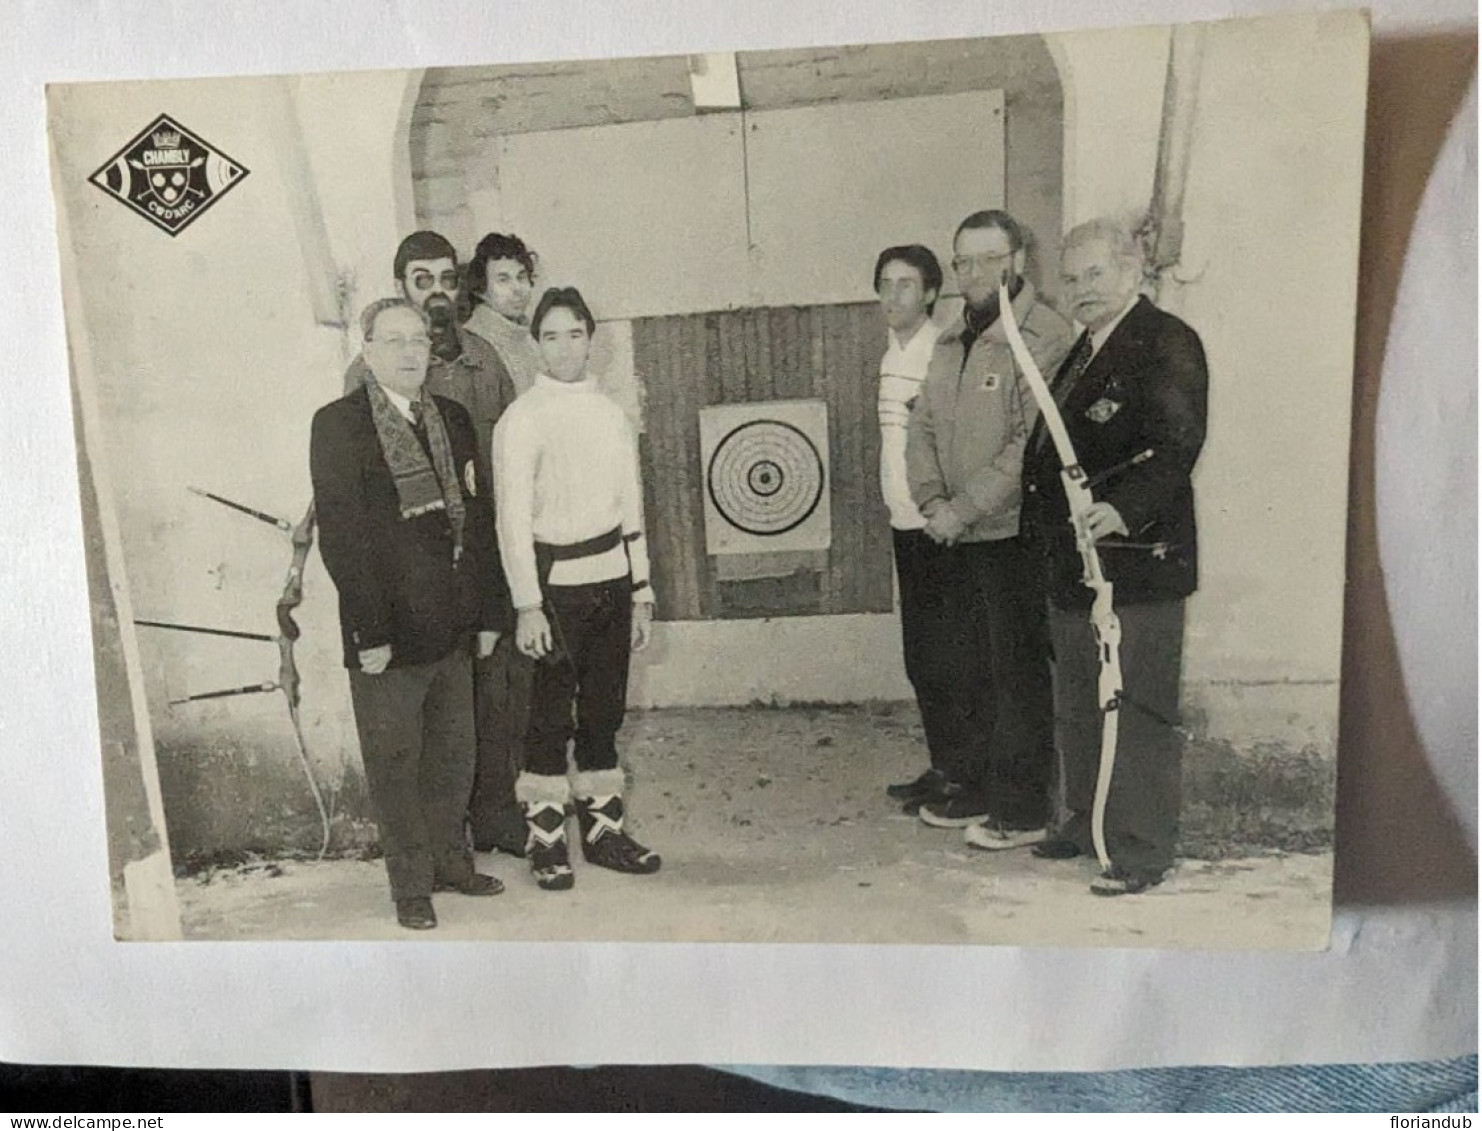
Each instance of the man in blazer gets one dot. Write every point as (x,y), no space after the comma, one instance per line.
(407,534)
(468,369)
(1132,393)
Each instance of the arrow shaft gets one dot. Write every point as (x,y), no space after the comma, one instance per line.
(250,689)
(272,520)
(207,631)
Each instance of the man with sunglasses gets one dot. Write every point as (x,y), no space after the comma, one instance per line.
(964,456)
(465,368)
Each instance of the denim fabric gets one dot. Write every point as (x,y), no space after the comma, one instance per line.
(1423,1086)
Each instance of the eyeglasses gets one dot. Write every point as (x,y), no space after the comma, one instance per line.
(981,263)
(424,280)
(401,342)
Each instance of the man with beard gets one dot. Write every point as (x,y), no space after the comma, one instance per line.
(465,368)
(501,276)
(964,454)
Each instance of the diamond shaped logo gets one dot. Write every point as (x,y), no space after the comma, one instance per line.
(168,175)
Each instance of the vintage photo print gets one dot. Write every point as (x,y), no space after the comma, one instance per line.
(883,493)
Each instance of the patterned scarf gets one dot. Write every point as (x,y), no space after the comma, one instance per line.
(421,487)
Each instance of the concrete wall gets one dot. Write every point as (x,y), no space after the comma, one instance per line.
(206,361)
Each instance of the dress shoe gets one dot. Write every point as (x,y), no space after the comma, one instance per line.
(510,846)
(475,883)
(1124,881)
(1056,848)
(416,914)
(929,785)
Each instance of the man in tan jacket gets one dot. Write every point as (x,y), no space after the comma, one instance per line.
(964,456)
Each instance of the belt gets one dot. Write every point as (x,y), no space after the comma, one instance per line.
(547,554)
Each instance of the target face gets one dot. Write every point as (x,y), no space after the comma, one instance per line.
(765,477)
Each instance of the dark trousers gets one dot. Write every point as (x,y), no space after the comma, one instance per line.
(933,633)
(1142,807)
(581,691)
(501,715)
(417,745)
(995,659)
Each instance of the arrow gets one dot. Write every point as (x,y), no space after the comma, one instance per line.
(272,520)
(250,689)
(208,631)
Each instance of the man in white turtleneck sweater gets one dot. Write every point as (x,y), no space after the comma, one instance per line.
(570,520)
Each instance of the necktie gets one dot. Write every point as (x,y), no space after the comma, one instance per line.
(1080,361)
(419,428)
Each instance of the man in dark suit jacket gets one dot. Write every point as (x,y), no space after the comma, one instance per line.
(466,368)
(407,534)
(1132,393)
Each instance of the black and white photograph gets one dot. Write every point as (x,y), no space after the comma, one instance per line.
(883,493)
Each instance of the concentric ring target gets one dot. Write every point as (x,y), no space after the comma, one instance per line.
(765,477)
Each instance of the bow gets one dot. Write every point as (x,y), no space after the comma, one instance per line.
(1105,623)
(302,538)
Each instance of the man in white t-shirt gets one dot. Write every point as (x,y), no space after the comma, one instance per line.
(908,280)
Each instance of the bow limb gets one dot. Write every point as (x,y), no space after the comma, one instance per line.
(288,676)
(1105,624)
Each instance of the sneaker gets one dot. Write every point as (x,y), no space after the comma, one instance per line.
(956,812)
(1124,881)
(930,786)
(993,836)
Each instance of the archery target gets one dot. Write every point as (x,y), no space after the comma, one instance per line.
(765,476)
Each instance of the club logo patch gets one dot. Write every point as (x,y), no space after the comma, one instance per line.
(1103,410)
(990,383)
(168,175)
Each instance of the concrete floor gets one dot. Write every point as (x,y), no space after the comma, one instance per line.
(774,827)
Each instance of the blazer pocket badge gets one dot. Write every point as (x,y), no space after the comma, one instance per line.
(1103,410)
(470,480)
(990,383)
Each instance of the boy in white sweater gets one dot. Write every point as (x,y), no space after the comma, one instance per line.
(570,520)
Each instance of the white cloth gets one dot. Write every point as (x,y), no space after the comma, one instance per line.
(565,471)
(902,371)
(403,404)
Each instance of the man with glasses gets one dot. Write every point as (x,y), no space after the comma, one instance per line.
(964,454)
(407,535)
(464,367)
